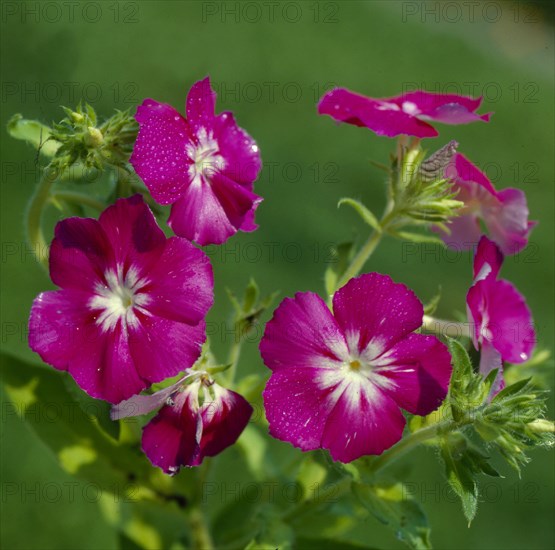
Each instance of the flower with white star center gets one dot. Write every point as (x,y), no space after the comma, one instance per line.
(339,380)
(203,164)
(119,298)
(132,303)
(204,156)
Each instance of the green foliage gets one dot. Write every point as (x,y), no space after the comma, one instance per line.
(463,461)
(35,133)
(249,310)
(394,506)
(509,423)
(422,195)
(365,214)
(342,255)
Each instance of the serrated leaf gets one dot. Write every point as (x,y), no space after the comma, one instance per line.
(366,215)
(394,506)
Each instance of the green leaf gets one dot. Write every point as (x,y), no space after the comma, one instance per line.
(343,254)
(39,396)
(363,212)
(328,544)
(460,473)
(33,132)
(417,237)
(431,305)
(274,534)
(94,408)
(251,296)
(394,506)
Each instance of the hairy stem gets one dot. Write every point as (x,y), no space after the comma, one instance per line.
(79,198)
(40,198)
(234,355)
(368,249)
(413,440)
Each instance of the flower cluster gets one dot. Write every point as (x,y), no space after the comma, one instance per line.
(131,305)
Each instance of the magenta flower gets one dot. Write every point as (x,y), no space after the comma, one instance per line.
(502,327)
(132,303)
(504,213)
(339,380)
(405,114)
(203,165)
(185,431)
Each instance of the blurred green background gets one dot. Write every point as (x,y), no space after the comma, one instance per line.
(270,65)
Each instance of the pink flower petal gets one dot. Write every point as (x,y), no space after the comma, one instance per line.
(461,171)
(171,439)
(508,224)
(374,313)
(419,368)
(487,260)
(382,117)
(143,404)
(502,318)
(303,333)
(201,104)
(133,233)
(464,232)
(162,348)
(364,421)
(297,404)
(240,151)
(445,108)
(223,421)
(159,154)
(181,287)
(199,216)
(54,323)
(80,254)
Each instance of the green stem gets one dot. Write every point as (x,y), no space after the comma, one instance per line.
(329,494)
(40,198)
(413,440)
(446,328)
(367,250)
(79,198)
(123,183)
(234,355)
(200,534)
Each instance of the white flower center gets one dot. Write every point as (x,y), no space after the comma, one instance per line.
(205,157)
(119,298)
